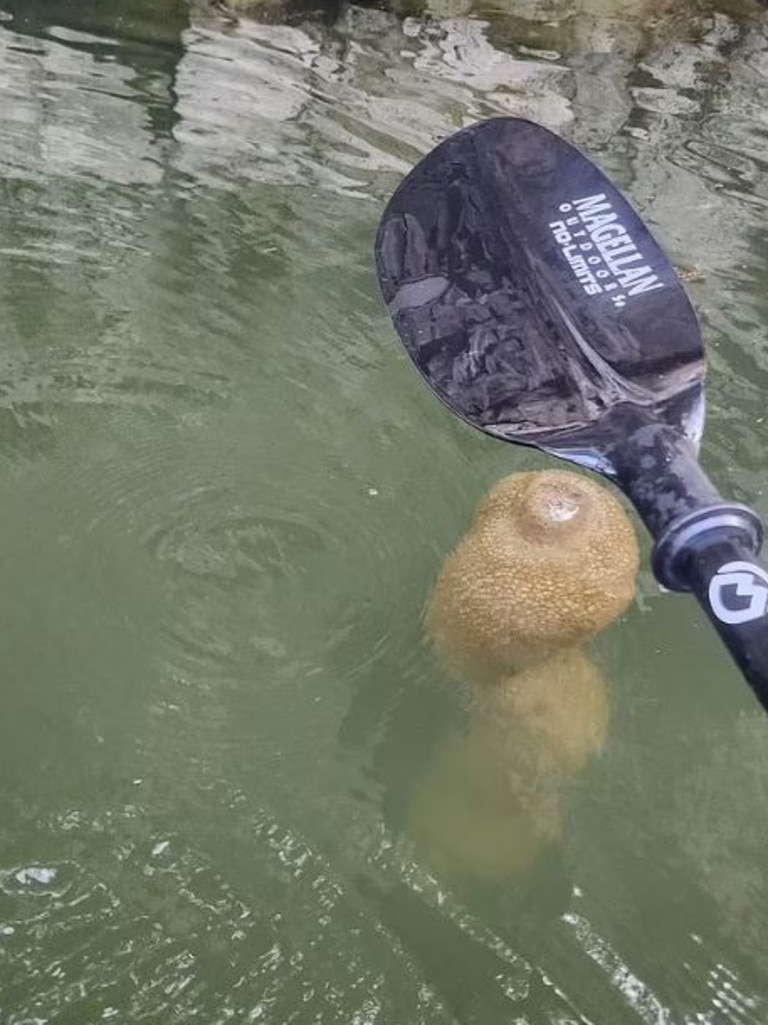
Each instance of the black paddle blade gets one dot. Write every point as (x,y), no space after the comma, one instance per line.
(533,299)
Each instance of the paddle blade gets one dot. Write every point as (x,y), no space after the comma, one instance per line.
(532,298)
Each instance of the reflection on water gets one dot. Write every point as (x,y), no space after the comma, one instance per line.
(224,497)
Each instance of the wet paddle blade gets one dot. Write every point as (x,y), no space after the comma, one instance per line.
(532,298)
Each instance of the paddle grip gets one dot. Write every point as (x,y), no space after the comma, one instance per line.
(731,586)
(703,544)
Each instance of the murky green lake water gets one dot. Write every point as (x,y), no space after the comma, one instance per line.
(224,495)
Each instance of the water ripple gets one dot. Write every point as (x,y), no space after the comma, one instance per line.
(152,927)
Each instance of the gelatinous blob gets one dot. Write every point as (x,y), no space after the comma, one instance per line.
(550,559)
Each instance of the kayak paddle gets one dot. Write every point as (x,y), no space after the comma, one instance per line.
(539,308)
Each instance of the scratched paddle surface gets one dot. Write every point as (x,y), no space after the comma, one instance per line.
(224,494)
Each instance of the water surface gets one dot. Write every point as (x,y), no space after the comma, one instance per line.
(225,494)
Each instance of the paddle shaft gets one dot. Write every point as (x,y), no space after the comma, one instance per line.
(703,544)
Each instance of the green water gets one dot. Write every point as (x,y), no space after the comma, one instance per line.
(224,495)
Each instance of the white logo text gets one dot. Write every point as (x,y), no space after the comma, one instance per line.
(601,252)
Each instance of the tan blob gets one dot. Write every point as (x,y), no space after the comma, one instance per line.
(549,719)
(489,800)
(469,822)
(549,560)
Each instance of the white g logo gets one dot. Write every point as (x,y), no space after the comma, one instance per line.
(739,580)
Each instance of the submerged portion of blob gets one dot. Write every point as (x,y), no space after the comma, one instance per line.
(489,800)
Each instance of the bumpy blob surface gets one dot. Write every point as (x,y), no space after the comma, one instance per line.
(549,719)
(549,560)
